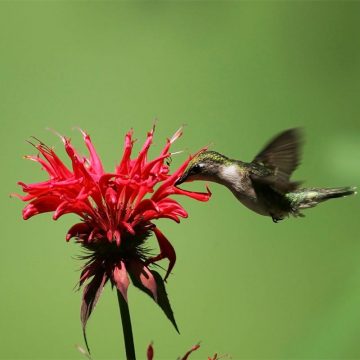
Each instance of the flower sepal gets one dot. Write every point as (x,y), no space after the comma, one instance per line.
(151,283)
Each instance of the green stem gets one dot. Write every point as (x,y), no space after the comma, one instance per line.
(127,329)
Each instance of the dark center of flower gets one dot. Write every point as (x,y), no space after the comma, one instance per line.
(108,252)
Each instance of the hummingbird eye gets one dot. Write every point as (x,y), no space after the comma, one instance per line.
(195,169)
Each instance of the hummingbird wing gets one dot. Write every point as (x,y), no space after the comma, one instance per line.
(281,156)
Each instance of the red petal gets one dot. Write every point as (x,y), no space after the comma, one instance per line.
(128,227)
(200,196)
(117,237)
(170,206)
(123,168)
(139,161)
(145,205)
(40,205)
(109,235)
(47,167)
(111,196)
(73,206)
(154,165)
(170,216)
(76,230)
(93,234)
(166,251)
(77,163)
(54,161)
(167,186)
(94,157)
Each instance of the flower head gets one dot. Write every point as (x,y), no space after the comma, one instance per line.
(117,212)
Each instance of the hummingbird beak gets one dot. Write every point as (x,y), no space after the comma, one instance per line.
(180,180)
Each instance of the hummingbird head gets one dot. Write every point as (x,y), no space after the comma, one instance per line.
(205,166)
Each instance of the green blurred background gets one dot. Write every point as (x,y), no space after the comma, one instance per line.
(236,74)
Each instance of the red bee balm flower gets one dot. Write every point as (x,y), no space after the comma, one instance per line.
(116,216)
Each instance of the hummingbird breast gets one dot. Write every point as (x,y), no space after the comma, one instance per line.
(252,203)
(257,197)
(237,180)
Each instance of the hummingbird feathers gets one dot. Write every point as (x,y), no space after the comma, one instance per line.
(264,184)
(281,156)
(310,197)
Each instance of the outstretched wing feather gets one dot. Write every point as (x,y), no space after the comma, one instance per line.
(281,156)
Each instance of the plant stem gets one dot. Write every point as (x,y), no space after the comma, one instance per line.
(127,329)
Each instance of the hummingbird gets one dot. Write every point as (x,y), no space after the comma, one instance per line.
(263,185)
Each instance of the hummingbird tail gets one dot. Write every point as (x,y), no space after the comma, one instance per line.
(310,197)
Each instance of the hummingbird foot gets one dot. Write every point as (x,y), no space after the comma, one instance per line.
(275,219)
